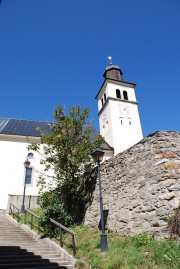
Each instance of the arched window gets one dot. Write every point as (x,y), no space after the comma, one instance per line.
(118,94)
(125,95)
(28,175)
(130,121)
(30,155)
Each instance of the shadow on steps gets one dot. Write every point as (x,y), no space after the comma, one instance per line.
(16,257)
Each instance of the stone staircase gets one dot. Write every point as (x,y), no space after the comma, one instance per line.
(18,249)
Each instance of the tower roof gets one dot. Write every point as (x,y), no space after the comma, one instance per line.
(112,66)
(113,72)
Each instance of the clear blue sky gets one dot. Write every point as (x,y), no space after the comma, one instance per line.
(55,52)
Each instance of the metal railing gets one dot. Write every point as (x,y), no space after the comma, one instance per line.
(62,230)
(32,217)
(14,211)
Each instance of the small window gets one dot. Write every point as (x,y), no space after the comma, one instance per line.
(30,155)
(102,101)
(130,121)
(116,75)
(105,97)
(125,95)
(118,94)
(121,121)
(28,175)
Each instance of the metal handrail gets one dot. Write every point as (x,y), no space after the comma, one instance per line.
(14,214)
(62,229)
(33,215)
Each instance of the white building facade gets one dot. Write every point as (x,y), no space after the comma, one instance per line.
(15,136)
(118,111)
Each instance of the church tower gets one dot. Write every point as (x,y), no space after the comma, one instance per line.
(118,110)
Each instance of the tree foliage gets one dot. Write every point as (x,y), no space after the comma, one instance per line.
(67,150)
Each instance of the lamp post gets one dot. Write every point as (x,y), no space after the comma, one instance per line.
(26,165)
(97,155)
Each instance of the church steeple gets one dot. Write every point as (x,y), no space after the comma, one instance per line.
(118,110)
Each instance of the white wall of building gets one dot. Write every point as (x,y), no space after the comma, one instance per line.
(13,154)
(126,127)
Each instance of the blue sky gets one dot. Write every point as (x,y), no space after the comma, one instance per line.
(55,52)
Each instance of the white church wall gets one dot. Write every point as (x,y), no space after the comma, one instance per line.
(13,154)
(100,96)
(126,128)
(105,124)
(111,91)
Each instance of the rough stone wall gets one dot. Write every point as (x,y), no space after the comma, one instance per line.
(141,186)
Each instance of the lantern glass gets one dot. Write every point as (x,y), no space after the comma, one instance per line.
(27,164)
(97,155)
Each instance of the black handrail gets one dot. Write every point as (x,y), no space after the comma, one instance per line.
(14,211)
(61,229)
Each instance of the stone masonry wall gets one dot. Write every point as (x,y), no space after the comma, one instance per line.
(141,186)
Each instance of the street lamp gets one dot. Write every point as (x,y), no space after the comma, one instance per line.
(97,155)
(26,165)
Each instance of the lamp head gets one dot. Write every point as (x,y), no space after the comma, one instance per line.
(97,155)
(27,164)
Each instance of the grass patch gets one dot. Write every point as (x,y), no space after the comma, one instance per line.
(138,252)
(32,221)
(142,252)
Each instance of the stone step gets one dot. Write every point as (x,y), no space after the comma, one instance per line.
(17,235)
(46,267)
(32,259)
(29,259)
(25,255)
(22,254)
(25,238)
(38,264)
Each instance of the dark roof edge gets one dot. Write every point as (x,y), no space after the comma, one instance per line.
(1,118)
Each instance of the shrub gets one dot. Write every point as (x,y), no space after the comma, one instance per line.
(174,224)
(53,209)
(143,239)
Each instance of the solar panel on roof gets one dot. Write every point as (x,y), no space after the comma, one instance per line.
(3,123)
(22,127)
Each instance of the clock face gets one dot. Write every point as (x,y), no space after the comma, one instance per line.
(124,109)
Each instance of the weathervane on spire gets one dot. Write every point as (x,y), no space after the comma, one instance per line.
(110,60)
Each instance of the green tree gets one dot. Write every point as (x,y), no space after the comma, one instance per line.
(67,149)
